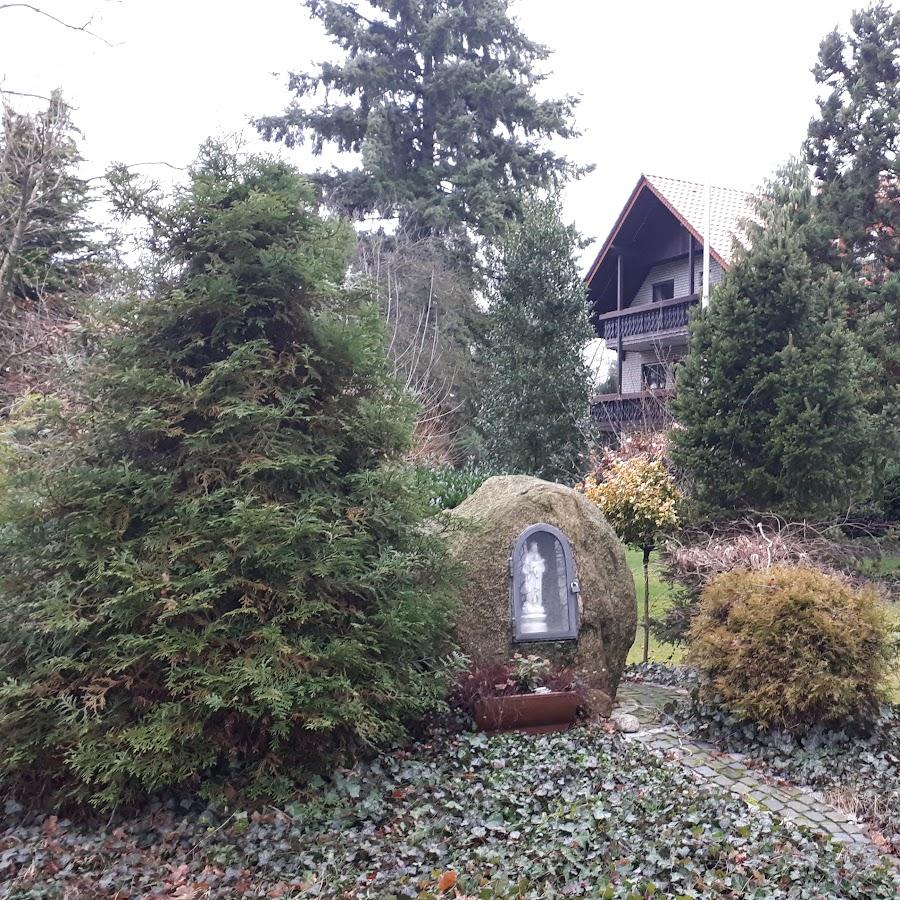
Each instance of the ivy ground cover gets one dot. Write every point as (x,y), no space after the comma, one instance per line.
(575,815)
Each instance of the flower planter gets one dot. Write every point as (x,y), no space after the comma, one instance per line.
(533,713)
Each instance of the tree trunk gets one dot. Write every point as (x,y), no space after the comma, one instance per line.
(647,603)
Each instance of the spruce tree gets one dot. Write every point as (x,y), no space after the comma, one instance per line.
(439,99)
(769,398)
(534,411)
(854,146)
(214,566)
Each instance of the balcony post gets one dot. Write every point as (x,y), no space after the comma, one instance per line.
(619,277)
(690,238)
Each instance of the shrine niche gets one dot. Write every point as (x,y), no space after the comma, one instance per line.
(544,586)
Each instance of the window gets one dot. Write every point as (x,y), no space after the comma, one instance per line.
(653,376)
(664,290)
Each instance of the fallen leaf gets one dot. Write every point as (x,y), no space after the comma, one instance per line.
(446,881)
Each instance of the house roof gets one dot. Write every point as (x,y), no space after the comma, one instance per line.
(728,208)
(685,200)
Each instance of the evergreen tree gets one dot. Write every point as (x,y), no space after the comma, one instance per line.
(438,99)
(213,568)
(50,259)
(534,411)
(854,145)
(45,241)
(769,397)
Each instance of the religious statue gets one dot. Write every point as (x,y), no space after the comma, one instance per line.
(534,618)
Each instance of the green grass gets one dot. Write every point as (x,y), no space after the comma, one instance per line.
(659,601)
(880,566)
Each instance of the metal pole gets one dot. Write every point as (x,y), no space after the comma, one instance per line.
(707,202)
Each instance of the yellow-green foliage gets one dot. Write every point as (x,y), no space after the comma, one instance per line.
(790,646)
(638,498)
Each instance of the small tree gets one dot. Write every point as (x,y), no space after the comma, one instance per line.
(639,498)
(534,409)
(216,568)
(770,396)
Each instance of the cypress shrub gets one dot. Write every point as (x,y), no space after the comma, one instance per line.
(215,569)
(790,647)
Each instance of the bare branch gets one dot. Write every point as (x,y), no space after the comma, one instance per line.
(45,97)
(84,29)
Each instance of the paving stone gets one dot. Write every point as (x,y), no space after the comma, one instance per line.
(797,805)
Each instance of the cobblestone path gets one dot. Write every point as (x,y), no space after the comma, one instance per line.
(727,770)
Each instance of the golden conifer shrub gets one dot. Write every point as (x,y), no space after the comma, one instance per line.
(790,647)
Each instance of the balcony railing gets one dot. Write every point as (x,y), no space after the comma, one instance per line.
(645,321)
(644,411)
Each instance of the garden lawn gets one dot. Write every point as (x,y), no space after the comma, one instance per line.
(580,814)
(660,600)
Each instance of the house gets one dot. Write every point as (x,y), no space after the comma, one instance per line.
(644,283)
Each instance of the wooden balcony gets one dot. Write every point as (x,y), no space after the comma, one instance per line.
(642,411)
(643,323)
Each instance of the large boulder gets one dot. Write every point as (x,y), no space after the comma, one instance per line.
(482,533)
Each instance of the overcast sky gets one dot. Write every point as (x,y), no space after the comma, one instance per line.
(702,90)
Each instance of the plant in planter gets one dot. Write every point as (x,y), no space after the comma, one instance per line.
(526,694)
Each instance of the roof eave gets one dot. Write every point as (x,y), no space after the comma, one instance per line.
(644,182)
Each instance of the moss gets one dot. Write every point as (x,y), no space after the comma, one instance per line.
(482,532)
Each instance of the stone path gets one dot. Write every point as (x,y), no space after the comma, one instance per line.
(727,770)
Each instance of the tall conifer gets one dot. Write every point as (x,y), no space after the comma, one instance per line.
(854,146)
(213,567)
(439,100)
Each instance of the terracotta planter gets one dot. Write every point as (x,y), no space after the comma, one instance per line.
(533,713)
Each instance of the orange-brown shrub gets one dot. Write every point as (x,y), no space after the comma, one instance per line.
(790,646)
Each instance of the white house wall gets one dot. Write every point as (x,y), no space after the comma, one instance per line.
(678,270)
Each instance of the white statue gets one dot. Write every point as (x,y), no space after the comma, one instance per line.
(534,618)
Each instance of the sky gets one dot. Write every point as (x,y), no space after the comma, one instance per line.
(718,91)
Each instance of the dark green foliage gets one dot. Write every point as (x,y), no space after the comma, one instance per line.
(215,569)
(534,412)
(790,647)
(673,626)
(439,99)
(447,486)
(854,142)
(51,259)
(854,145)
(46,245)
(771,395)
(620,824)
